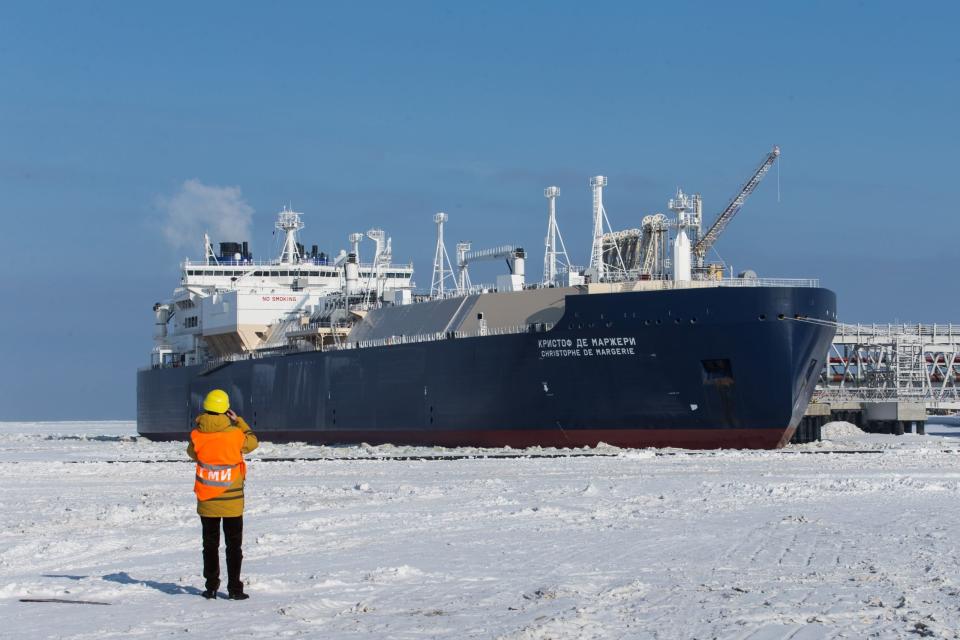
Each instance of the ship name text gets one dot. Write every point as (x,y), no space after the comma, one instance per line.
(586,347)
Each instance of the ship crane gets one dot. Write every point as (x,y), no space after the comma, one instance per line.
(710,237)
(513,256)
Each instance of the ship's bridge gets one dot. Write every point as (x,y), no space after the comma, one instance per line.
(303,275)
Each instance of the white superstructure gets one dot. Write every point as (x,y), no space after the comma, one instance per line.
(230,304)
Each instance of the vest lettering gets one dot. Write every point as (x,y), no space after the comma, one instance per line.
(218,455)
(221,476)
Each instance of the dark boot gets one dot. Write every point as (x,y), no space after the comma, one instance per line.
(211,554)
(210,594)
(233,532)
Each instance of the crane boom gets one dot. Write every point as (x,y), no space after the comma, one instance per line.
(489,254)
(706,241)
(465,257)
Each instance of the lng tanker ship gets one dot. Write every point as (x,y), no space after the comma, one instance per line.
(647,346)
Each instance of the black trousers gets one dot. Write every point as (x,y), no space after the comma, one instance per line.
(233,533)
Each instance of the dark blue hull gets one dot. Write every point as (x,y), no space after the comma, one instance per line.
(695,368)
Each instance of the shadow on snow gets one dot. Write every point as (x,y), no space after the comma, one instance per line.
(166,587)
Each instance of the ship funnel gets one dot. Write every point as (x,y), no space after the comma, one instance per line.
(681,256)
(352,274)
(519,263)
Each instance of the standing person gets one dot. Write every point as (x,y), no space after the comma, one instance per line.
(217,445)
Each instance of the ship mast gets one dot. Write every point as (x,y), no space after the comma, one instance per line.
(289,222)
(442,269)
(553,251)
(597,183)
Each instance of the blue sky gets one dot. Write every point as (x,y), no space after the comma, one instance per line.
(369,114)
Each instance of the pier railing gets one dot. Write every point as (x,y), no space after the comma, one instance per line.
(904,331)
(896,361)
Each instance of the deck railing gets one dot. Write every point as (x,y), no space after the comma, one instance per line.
(445,335)
(737,282)
(304,347)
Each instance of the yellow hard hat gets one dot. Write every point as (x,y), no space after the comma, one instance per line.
(217,401)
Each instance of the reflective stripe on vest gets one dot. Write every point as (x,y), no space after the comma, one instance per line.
(219,461)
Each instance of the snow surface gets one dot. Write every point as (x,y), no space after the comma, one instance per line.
(816,541)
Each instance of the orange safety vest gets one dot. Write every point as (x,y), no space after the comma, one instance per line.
(219,461)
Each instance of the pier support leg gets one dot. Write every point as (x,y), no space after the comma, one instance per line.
(811,424)
(894,416)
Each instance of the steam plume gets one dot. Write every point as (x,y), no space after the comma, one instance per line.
(197,208)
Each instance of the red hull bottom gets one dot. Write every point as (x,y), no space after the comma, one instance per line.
(519,439)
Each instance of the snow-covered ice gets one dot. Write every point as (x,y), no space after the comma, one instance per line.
(836,430)
(816,541)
